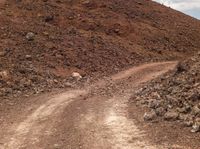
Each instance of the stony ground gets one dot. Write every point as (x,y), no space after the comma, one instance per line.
(43,41)
(72,45)
(94,116)
(176,96)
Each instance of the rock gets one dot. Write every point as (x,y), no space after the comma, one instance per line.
(56,146)
(2,53)
(160,111)
(155,95)
(76,76)
(184,109)
(30,36)
(194,96)
(153,103)
(28,57)
(55,81)
(8,90)
(188,123)
(171,116)
(4,75)
(149,116)
(117,30)
(181,68)
(49,18)
(25,82)
(67,84)
(195,128)
(86,2)
(142,101)
(196,110)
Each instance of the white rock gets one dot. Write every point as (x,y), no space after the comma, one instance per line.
(76,75)
(30,36)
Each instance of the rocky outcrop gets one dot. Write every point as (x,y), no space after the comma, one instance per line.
(176,95)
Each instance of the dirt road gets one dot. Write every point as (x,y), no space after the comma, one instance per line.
(93,117)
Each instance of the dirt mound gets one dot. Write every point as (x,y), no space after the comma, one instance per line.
(176,96)
(44,41)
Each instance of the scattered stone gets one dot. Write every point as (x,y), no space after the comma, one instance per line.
(171,116)
(149,116)
(153,103)
(49,18)
(4,75)
(30,36)
(28,57)
(2,53)
(184,109)
(160,111)
(56,146)
(188,123)
(179,93)
(195,128)
(76,75)
(86,2)
(142,102)
(196,110)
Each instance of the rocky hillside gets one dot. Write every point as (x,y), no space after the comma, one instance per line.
(175,97)
(44,41)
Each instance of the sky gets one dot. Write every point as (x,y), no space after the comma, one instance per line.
(190,7)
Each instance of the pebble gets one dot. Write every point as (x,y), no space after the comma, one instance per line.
(171,116)
(76,75)
(195,128)
(30,36)
(149,116)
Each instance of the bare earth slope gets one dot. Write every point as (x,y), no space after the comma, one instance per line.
(44,41)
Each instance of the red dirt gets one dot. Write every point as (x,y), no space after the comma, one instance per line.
(93,37)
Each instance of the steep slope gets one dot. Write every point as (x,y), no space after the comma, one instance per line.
(44,41)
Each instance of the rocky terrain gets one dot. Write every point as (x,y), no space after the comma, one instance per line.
(44,41)
(98,74)
(175,96)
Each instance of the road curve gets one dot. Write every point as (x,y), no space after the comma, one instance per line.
(93,117)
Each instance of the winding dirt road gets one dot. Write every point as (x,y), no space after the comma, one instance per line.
(93,117)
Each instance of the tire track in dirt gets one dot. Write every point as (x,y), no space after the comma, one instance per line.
(119,129)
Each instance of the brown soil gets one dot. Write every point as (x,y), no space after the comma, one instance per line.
(42,42)
(92,37)
(95,116)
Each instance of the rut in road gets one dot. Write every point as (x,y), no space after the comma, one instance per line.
(93,117)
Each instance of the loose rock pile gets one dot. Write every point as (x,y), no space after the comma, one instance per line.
(176,95)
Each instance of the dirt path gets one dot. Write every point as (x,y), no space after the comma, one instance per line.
(94,117)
